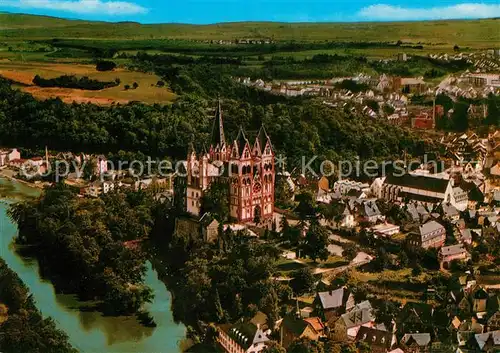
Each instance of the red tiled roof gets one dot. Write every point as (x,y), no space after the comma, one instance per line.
(316,323)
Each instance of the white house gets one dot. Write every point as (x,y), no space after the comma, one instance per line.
(346,185)
(385,229)
(242,338)
(9,155)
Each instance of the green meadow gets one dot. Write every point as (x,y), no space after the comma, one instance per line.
(468,33)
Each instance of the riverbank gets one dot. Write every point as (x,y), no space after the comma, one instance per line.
(22,322)
(9,174)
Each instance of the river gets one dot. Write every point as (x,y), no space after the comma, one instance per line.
(88,330)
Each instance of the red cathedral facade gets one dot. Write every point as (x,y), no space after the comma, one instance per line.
(246,168)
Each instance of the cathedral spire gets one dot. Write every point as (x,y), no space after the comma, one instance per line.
(218,138)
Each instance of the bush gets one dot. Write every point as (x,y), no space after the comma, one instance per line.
(104,65)
(70,81)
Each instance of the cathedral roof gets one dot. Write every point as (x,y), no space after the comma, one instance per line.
(262,139)
(241,141)
(218,138)
(191,148)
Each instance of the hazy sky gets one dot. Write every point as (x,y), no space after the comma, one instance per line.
(208,11)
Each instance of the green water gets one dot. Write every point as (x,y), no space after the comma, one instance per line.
(88,330)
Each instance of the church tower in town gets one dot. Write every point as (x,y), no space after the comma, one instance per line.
(246,168)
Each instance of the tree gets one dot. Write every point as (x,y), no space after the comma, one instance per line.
(388,109)
(306,209)
(104,65)
(316,242)
(273,347)
(92,260)
(456,47)
(135,85)
(348,348)
(215,201)
(404,260)
(332,211)
(417,270)
(283,192)
(350,251)
(303,281)
(493,104)
(381,261)
(89,168)
(460,116)
(126,87)
(305,345)
(386,312)
(364,347)
(373,105)
(160,84)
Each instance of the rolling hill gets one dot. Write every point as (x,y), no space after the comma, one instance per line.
(471,33)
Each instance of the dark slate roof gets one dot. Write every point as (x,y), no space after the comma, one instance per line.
(355,193)
(412,210)
(263,139)
(450,210)
(241,141)
(421,182)
(483,338)
(359,315)
(374,337)
(421,311)
(333,299)
(421,339)
(371,209)
(246,334)
(480,293)
(421,198)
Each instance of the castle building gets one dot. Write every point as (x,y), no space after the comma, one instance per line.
(246,168)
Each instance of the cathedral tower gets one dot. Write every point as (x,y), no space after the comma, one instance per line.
(246,167)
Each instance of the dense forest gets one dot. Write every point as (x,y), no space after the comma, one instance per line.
(71,81)
(23,327)
(165,131)
(218,283)
(285,66)
(109,48)
(88,237)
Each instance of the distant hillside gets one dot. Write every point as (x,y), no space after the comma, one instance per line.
(473,33)
(22,21)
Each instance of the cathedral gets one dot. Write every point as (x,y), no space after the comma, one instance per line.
(246,168)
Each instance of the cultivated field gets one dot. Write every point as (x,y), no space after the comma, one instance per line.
(147,92)
(466,33)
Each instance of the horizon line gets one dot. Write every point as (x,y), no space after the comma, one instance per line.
(245,21)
